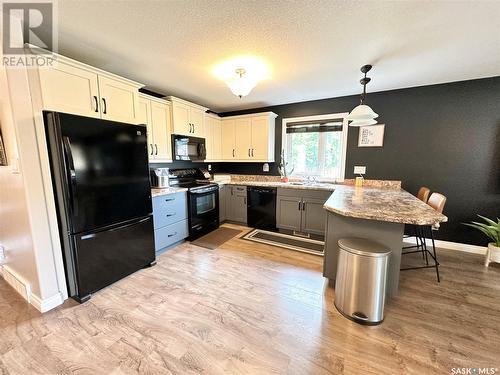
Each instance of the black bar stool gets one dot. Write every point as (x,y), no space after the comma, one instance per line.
(423,195)
(436,201)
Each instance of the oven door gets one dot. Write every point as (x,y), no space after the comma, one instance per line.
(203,211)
(188,148)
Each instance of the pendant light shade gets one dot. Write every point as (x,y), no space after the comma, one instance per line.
(363,122)
(363,115)
(362,112)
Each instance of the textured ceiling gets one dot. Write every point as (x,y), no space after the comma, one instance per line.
(314,48)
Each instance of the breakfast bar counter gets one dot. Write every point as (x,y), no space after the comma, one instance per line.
(377,214)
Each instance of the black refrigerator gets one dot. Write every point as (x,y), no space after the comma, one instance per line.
(100,177)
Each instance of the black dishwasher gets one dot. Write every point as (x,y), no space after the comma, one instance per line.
(261,207)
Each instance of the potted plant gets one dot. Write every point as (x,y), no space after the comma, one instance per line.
(491,229)
(282,168)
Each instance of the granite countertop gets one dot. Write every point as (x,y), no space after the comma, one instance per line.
(392,205)
(155,192)
(316,186)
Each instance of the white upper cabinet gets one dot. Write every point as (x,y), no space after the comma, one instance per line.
(119,100)
(68,89)
(249,137)
(73,87)
(243,138)
(228,139)
(263,138)
(155,113)
(213,137)
(161,122)
(188,118)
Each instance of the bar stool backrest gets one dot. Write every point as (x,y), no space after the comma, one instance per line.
(437,202)
(423,194)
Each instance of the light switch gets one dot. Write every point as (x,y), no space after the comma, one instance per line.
(359,169)
(209,167)
(265,167)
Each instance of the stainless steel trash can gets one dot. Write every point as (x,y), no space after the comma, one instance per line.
(361,279)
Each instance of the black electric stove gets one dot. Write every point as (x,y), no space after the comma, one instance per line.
(203,199)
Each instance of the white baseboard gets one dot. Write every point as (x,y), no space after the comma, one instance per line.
(17,282)
(47,303)
(474,249)
(21,286)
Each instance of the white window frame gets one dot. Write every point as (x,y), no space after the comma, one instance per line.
(345,128)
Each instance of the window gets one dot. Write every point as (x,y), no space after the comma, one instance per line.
(316,145)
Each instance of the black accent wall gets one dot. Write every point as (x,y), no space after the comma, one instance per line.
(446,137)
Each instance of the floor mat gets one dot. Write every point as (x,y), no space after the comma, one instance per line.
(287,241)
(216,238)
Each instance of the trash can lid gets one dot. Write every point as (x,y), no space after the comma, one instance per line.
(362,246)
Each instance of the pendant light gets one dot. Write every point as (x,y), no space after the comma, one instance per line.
(363,115)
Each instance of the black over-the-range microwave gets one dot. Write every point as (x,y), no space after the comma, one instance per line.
(188,148)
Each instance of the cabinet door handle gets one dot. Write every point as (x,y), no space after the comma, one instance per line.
(151,149)
(156,149)
(104,106)
(299,205)
(96,104)
(245,200)
(170,215)
(194,129)
(171,235)
(233,152)
(248,152)
(252,152)
(303,206)
(169,199)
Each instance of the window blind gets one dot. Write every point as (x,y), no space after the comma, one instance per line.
(314,126)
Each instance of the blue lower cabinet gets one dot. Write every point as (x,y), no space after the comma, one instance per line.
(170,219)
(170,234)
(169,209)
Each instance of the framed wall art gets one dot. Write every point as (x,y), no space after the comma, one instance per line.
(371,136)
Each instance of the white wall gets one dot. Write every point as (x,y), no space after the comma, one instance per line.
(28,227)
(15,231)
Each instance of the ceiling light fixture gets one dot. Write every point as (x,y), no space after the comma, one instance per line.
(242,74)
(363,115)
(241,84)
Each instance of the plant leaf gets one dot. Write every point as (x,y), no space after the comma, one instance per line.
(489,221)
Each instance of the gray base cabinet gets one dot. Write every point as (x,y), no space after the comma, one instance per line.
(222,202)
(170,219)
(301,210)
(236,203)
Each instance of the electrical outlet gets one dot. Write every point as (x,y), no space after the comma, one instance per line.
(359,169)
(265,167)
(209,167)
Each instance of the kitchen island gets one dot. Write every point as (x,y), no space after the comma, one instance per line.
(374,213)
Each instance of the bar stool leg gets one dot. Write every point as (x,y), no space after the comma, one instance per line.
(436,263)
(424,244)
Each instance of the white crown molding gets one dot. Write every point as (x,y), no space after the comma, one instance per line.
(31,50)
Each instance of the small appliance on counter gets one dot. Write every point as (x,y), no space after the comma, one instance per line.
(188,148)
(159,178)
(203,199)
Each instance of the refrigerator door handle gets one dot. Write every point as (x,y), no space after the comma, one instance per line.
(130,224)
(71,174)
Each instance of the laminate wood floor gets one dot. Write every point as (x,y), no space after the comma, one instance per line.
(248,308)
